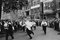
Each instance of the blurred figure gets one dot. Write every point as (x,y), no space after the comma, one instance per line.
(44,25)
(1,28)
(23,26)
(8,30)
(34,25)
(56,24)
(20,25)
(28,28)
(51,24)
(15,27)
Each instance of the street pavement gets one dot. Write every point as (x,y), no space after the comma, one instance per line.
(38,35)
(51,34)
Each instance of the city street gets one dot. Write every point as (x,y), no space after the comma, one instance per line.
(16,13)
(39,35)
(21,13)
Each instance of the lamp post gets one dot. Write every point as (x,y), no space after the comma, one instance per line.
(0,8)
(42,9)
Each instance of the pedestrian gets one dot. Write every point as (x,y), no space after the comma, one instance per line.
(28,28)
(56,24)
(21,25)
(34,25)
(15,27)
(44,25)
(9,30)
(51,25)
(18,26)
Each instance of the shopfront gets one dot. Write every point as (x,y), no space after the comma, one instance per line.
(49,14)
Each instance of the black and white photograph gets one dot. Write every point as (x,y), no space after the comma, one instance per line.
(29,19)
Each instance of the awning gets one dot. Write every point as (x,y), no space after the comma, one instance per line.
(47,1)
(36,6)
(48,11)
(58,9)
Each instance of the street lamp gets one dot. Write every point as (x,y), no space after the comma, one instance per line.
(42,9)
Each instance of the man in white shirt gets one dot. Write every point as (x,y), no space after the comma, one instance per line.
(28,25)
(28,30)
(44,25)
(8,30)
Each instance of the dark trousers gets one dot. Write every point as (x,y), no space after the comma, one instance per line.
(9,33)
(15,29)
(23,28)
(56,26)
(29,32)
(34,27)
(44,29)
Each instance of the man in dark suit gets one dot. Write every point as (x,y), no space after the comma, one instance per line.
(56,24)
(9,31)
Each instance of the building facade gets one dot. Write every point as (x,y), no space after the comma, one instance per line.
(48,8)
(57,8)
(35,9)
(58,4)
